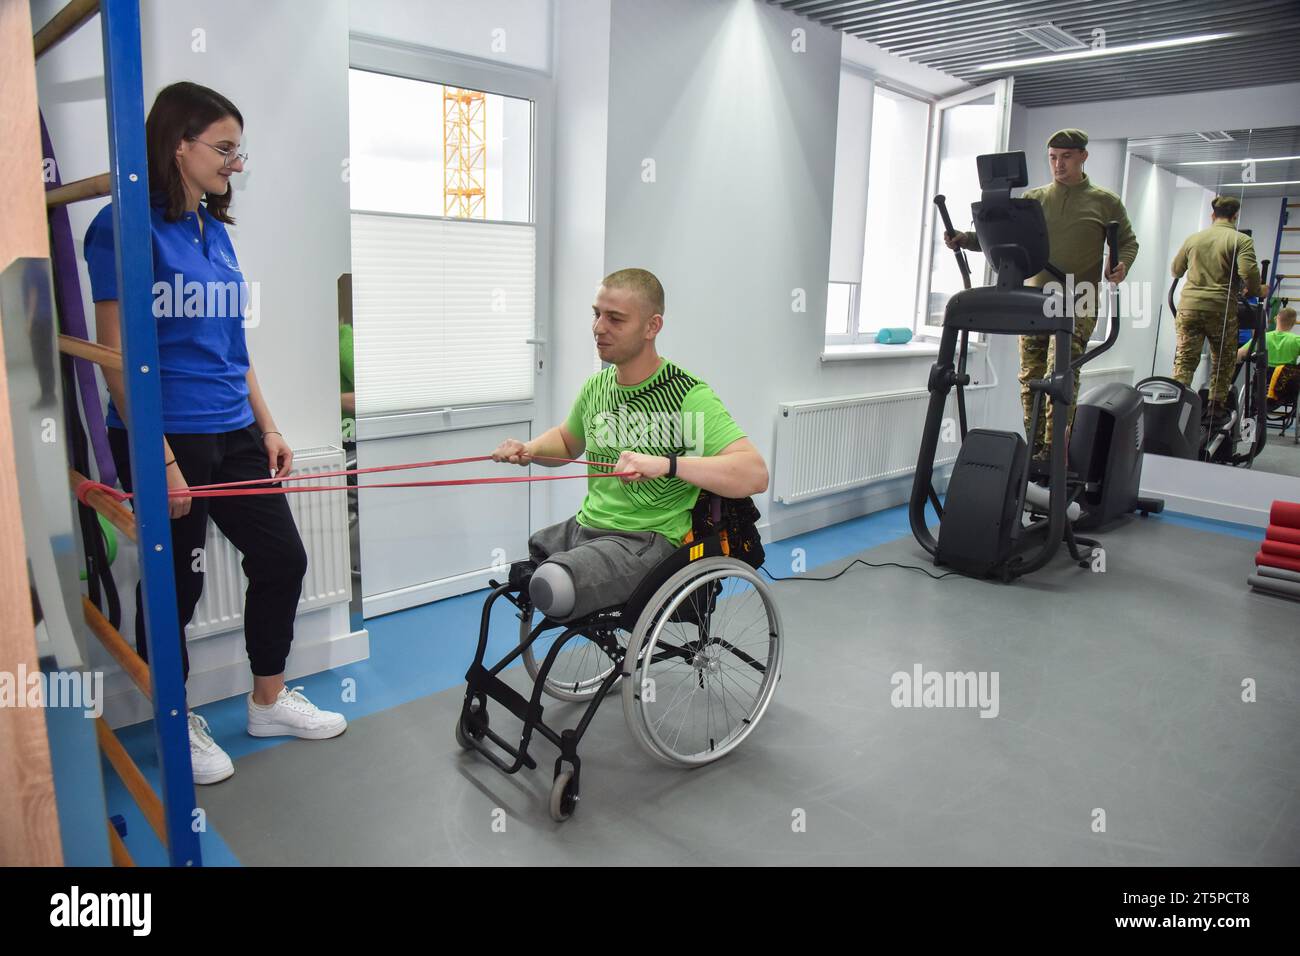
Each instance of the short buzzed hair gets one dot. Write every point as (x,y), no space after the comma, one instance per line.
(1225,207)
(640,281)
(1286,315)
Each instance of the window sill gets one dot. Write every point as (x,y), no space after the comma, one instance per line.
(871,352)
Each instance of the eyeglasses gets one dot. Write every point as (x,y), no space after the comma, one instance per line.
(229,155)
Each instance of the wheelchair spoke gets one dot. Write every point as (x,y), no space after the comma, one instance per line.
(713,649)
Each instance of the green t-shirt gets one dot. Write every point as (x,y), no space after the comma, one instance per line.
(671,411)
(347,381)
(1283,347)
(346,375)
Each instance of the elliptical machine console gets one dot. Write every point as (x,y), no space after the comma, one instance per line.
(989,524)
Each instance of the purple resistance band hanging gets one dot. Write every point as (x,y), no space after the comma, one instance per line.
(72,318)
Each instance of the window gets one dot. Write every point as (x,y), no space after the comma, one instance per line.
(892,250)
(965,125)
(889,267)
(444,244)
(874,272)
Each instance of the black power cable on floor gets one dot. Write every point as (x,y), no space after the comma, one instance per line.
(869,564)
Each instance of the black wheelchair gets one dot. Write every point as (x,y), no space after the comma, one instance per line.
(697,649)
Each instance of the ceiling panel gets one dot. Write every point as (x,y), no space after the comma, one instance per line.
(959,36)
(1179,152)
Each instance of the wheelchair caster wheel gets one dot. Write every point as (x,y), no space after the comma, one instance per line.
(464,734)
(564,797)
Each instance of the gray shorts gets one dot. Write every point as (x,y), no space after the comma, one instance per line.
(606,566)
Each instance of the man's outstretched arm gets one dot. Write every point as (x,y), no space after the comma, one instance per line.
(545,449)
(737,471)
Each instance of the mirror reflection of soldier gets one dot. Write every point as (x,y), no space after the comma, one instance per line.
(1207,307)
(1077,212)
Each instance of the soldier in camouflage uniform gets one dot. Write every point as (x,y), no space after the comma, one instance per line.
(1207,307)
(1077,213)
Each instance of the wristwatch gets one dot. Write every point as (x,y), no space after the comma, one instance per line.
(672,464)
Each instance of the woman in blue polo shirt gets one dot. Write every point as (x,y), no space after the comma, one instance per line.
(216,423)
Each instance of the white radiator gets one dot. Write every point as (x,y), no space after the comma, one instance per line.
(825,446)
(322,519)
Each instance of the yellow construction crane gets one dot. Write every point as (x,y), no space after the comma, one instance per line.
(464,153)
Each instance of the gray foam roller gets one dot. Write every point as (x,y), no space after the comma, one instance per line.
(1277,586)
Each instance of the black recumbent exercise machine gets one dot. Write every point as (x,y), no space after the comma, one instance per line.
(696,648)
(994,521)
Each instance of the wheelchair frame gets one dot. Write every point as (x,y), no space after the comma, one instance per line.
(473,731)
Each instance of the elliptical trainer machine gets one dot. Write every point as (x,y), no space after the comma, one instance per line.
(1176,422)
(983,529)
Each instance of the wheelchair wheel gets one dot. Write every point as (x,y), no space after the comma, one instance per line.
(463,736)
(703,662)
(564,797)
(579,669)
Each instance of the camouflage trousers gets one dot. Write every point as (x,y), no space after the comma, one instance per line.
(1037,359)
(1195,327)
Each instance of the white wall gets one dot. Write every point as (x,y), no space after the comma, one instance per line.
(581,58)
(516,32)
(292,212)
(896,70)
(742,130)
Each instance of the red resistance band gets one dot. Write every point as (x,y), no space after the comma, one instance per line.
(234,488)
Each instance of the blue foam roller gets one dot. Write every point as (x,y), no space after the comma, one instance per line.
(893,336)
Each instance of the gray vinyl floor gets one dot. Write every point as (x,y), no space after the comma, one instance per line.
(1119,693)
(1280,455)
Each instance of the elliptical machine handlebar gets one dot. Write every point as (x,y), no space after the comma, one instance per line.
(942,202)
(962,378)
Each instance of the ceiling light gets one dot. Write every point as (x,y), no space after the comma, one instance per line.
(1104,51)
(1283,182)
(1237,162)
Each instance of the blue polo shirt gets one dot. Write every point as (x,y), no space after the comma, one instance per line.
(198,296)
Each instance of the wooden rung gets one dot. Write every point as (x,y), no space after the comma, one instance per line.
(143,794)
(64,22)
(1291,228)
(116,645)
(100,185)
(117,849)
(91,351)
(118,515)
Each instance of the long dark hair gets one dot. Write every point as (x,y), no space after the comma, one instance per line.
(183,111)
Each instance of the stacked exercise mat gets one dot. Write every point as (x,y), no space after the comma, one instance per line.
(1277,564)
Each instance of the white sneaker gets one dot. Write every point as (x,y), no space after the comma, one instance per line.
(211,764)
(294,715)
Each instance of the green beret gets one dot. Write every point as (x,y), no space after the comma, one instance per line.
(1068,139)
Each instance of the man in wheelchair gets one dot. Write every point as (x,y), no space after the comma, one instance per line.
(645,415)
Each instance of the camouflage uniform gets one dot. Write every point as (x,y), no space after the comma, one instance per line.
(1207,308)
(1195,327)
(1076,216)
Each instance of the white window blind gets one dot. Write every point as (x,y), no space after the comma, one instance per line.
(441,311)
